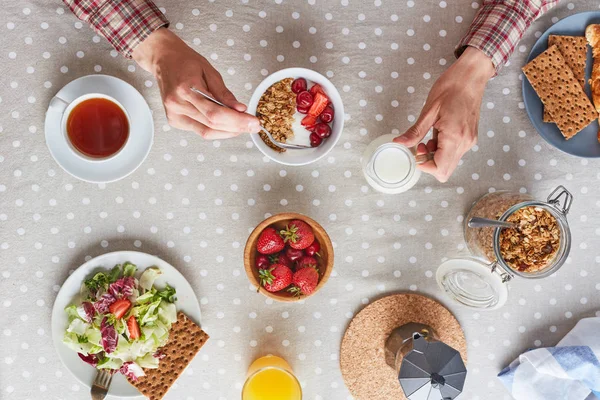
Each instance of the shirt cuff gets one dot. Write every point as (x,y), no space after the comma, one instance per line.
(496,31)
(127,23)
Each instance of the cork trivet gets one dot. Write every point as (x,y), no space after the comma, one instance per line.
(362,355)
(185,340)
(574,50)
(560,92)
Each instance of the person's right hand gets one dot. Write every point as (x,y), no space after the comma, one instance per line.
(452,110)
(177,67)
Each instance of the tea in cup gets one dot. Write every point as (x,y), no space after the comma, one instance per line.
(95,126)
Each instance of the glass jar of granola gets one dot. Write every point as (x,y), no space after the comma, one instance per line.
(536,247)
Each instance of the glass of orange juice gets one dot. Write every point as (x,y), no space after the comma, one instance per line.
(271,378)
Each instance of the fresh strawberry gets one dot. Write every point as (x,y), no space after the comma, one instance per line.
(319,104)
(304,281)
(269,242)
(276,278)
(293,254)
(280,258)
(313,249)
(298,234)
(306,262)
(133,327)
(119,308)
(316,88)
(262,261)
(309,121)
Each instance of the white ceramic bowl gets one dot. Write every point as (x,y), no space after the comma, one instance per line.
(300,157)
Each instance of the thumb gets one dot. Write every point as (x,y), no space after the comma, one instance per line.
(417,132)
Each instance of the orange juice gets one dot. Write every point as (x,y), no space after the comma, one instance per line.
(271,378)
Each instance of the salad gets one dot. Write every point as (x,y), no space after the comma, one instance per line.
(122,321)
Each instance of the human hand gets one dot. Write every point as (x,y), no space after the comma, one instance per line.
(177,67)
(452,110)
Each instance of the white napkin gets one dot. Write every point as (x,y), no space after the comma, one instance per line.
(569,371)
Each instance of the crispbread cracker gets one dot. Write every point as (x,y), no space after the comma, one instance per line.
(574,50)
(560,92)
(185,340)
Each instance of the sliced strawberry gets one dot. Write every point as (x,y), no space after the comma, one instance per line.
(316,88)
(119,308)
(309,120)
(133,327)
(318,105)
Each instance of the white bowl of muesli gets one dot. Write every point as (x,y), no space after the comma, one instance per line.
(299,106)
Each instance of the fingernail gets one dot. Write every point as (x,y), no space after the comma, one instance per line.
(254,126)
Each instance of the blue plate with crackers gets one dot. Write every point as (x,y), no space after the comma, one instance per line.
(559,64)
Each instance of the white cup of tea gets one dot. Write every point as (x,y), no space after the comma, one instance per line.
(95,126)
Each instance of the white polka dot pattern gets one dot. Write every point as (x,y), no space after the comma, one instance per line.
(194,203)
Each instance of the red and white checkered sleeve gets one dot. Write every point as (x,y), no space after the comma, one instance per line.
(125,23)
(499,26)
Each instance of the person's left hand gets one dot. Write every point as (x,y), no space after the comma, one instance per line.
(177,67)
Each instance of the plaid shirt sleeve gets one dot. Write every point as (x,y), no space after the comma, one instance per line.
(125,23)
(499,26)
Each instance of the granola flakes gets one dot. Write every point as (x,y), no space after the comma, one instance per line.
(533,245)
(275,110)
(491,206)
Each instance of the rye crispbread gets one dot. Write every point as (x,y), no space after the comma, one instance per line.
(560,92)
(574,50)
(185,340)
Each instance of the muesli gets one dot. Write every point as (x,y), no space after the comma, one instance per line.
(533,245)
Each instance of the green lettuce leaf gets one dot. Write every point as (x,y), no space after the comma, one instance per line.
(167,312)
(97,282)
(148,277)
(114,273)
(129,269)
(78,327)
(168,294)
(148,361)
(72,313)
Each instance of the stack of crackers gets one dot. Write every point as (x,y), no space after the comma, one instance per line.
(185,340)
(558,77)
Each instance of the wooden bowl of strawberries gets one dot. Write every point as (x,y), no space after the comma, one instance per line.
(288,257)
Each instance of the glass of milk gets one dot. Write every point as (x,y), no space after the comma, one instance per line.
(391,167)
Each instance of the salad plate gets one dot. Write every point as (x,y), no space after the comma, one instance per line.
(74,292)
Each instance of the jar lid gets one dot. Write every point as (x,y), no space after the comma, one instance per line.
(472,283)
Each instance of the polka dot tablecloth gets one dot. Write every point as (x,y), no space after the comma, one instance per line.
(193,202)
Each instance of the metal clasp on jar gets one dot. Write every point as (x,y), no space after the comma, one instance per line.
(555,199)
(506,276)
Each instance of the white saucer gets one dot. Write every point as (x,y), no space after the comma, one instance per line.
(141,134)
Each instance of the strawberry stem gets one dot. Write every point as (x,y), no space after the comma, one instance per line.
(295,290)
(289,234)
(265,276)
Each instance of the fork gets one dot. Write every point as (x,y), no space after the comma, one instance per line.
(277,143)
(101,384)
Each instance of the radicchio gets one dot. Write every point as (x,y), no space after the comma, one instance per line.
(91,359)
(86,311)
(122,287)
(109,336)
(102,304)
(131,370)
(159,354)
